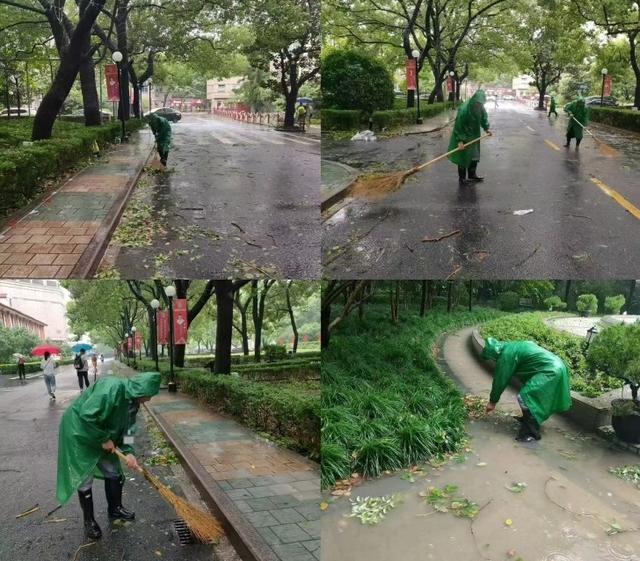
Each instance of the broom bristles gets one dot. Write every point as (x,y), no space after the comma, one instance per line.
(377,186)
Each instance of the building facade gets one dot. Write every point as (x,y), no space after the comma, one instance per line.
(221,93)
(12,319)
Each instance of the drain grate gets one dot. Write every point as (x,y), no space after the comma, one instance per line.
(185,537)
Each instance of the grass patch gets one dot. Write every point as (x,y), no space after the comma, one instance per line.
(530,326)
(385,403)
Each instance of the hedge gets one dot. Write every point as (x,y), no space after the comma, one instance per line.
(621,118)
(23,168)
(341,119)
(11,368)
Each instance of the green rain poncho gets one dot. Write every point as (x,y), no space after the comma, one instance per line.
(470,119)
(552,105)
(580,111)
(101,413)
(162,131)
(545,376)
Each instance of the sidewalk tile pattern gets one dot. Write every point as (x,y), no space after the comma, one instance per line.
(50,240)
(277,490)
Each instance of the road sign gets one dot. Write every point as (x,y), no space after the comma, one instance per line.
(180,321)
(411,73)
(111,76)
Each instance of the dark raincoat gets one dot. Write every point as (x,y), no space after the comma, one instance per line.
(105,411)
(545,376)
(162,131)
(552,105)
(580,111)
(470,119)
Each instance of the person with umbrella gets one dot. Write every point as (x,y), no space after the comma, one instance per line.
(100,420)
(49,366)
(578,119)
(545,382)
(470,119)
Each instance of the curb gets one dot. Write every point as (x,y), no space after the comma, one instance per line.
(336,197)
(86,268)
(431,130)
(249,544)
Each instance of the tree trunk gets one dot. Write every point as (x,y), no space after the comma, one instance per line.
(290,110)
(325,320)
(633,57)
(470,295)
(632,294)
(124,109)
(244,333)
(449,296)
(411,99)
(542,90)
(292,318)
(90,99)
(567,290)
(224,326)
(135,86)
(423,298)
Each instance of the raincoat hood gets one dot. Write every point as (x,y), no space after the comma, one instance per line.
(492,349)
(146,384)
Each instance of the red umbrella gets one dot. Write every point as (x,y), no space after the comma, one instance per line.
(41,349)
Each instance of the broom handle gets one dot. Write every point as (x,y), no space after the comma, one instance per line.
(150,478)
(123,457)
(443,156)
(583,127)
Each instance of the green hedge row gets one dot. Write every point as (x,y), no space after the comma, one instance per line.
(203,360)
(11,368)
(335,119)
(23,168)
(621,118)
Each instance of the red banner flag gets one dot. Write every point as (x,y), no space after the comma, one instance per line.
(607,85)
(180,321)
(411,73)
(450,84)
(138,340)
(111,76)
(163,327)
(129,344)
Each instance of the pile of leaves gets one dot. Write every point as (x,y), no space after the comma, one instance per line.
(372,510)
(447,499)
(571,349)
(385,403)
(628,473)
(475,406)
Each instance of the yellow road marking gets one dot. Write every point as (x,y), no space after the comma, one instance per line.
(628,206)
(554,146)
(532,130)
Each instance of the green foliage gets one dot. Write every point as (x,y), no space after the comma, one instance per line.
(616,352)
(587,304)
(341,119)
(16,340)
(372,510)
(384,400)
(531,327)
(24,168)
(448,500)
(509,301)
(621,118)
(613,304)
(354,80)
(274,352)
(11,368)
(555,303)
(335,463)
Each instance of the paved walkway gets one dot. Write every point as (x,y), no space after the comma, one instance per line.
(431,124)
(65,234)
(272,493)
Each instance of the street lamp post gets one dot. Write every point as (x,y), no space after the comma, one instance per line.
(117,58)
(416,55)
(604,76)
(170,291)
(133,339)
(591,333)
(452,75)
(155,304)
(126,338)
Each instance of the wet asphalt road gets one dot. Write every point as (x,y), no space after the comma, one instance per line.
(28,456)
(240,200)
(576,229)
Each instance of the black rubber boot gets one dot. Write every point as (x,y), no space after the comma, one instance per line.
(91,528)
(472,173)
(462,175)
(578,141)
(113,490)
(529,428)
(568,142)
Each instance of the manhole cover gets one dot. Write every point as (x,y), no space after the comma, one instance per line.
(182,530)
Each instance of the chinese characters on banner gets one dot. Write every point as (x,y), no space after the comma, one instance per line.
(129,344)
(180,321)
(163,327)
(138,341)
(111,76)
(607,85)
(411,74)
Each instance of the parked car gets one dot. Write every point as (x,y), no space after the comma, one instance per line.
(15,112)
(169,113)
(608,101)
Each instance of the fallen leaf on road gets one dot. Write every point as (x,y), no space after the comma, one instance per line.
(324,505)
(508,522)
(517,487)
(158,552)
(511,553)
(481,464)
(443,237)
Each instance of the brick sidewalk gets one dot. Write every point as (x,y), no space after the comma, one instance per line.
(275,491)
(64,234)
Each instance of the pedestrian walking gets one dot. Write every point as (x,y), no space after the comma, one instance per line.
(495,102)
(544,377)
(81,364)
(161,129)
(301,115)
(100,420)
(21,369)
(578,113)
(94,364)
(49,366)
(552,107)
(470,119)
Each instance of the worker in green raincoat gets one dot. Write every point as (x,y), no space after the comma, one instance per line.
(301,116)
(470,119)
(577,111)
(544,377)
(162,131)
(98,421)
(552,107)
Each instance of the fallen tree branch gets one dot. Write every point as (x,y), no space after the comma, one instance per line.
(444,237)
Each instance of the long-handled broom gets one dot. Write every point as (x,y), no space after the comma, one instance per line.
(380,185)
(586,129)
(204,527)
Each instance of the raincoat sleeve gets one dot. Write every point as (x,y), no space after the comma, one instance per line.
(504,371)
(484,120)
(94,416)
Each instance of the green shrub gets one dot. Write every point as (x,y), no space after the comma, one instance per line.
(622,118)
(275,352)
(587,304)
(355,80)
(613,304)
(341,119)
(400,117)
(555,303)
(509,301)
(11,368)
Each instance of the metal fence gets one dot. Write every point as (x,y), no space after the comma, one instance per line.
(266,119)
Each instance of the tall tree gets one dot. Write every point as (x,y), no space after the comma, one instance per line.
(225,291)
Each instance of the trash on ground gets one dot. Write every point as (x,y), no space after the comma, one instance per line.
(517,487)
(523,212)
(30,511)
(364,136)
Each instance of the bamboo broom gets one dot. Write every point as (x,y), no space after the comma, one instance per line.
(204,527)
(383,184)
(586,129)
